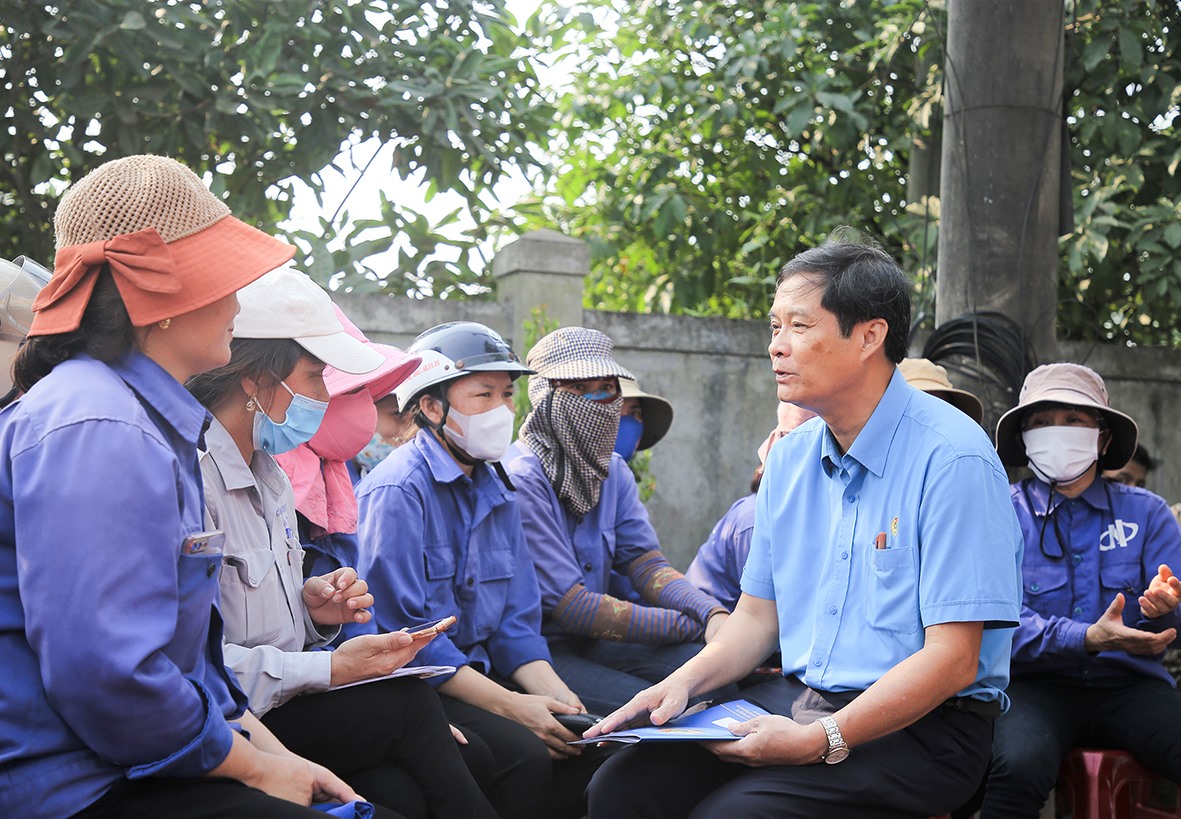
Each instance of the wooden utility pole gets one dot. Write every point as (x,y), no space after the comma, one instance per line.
(1001,164)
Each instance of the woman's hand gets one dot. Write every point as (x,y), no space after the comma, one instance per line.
(367,656)
(337,598)
(535,712)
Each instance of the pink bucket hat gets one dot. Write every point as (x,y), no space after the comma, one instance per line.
(381,382)
(1073,385)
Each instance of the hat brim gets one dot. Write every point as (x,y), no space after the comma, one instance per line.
(964,401)
(603,367)
(342,352)
(658,417)
(396,368)
(1011,447)
(210,265)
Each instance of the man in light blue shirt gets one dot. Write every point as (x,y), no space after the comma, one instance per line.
(885,566)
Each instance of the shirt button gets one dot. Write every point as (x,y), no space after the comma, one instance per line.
(1078,610)
(471,581)
(1034,587)
(1078,558)
(210,569)
(816,662)
(850,498)
(586,567)
(832,609)
(844,555)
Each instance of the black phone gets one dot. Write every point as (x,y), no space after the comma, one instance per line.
(576,723)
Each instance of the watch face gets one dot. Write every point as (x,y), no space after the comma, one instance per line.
(836,755)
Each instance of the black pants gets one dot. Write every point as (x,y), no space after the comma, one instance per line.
(927,768)
(525,783)
(197,799)
(390,741)
(1050,715)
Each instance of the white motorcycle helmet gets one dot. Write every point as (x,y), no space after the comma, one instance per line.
(20,282)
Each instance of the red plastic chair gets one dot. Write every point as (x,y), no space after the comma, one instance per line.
(1101,784)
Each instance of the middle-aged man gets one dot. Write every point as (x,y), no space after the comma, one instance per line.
(885,563)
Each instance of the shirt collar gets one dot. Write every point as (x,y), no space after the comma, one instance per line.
(443,467)
(235,472)
(178,408)
(872,445)
(1097,495)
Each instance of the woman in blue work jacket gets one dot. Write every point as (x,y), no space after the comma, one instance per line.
(440,534)
(116,701)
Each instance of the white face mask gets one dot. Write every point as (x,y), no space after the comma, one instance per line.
(484,437)
(1060,455)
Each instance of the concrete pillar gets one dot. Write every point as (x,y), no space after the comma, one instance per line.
(1002,132)
(543,269)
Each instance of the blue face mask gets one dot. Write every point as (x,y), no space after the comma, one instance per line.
(303,419)
(630,431)
(374,453)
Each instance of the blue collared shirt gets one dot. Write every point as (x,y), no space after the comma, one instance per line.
(1113,538)
(923,478)
(434,542)
(717,567)
(567,549)
(110,639)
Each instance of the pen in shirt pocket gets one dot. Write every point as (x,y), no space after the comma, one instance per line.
(879,542)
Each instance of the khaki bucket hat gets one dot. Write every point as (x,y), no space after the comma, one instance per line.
(1073,385)
(171,245)
(658,413)
(928,376)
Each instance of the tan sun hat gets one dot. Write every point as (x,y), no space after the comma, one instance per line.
(571,353)
(171,245)
(658,413)
(926,375)
(1072,385)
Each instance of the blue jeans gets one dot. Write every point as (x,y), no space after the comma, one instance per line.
(606,674)
(1050,715)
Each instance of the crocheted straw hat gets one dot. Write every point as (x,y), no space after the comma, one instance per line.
(926,375)
(1072,385)
(171,245)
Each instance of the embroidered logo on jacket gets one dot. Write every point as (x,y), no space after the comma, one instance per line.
(1119,534)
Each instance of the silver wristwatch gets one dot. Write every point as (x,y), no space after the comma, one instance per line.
(838,749)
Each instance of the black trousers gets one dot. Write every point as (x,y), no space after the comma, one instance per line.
(927,768)
(524,783)
(206,798)
(388,739)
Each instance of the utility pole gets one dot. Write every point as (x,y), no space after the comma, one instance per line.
(1001,164)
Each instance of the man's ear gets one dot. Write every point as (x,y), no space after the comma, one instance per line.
(873,336)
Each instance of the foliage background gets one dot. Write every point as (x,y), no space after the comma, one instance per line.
(695,144)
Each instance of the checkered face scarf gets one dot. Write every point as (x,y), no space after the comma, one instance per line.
(573,438)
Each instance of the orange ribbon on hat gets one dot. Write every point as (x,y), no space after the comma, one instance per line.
(139,261)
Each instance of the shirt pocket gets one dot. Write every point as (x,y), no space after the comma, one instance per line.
(253,598)
(1127,579)
(1046,590)
(497,568)
(893,603)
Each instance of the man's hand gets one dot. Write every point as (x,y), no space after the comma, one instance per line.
(373,655)
(1109,633)
(659,704)
(535,712)
(772,740)
(337,598)
(1163,594)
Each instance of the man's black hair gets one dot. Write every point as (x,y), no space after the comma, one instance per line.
(861,282)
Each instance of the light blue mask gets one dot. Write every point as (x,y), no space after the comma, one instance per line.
(300,424)
(374,453)
(630,431)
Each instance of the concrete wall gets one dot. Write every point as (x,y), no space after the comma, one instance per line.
(717,376)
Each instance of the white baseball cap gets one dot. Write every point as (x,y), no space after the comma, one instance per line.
(286,303)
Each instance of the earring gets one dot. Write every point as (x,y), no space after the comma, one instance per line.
(252,404)
(165,324)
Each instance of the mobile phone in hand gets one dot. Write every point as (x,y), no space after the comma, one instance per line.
(431,629)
